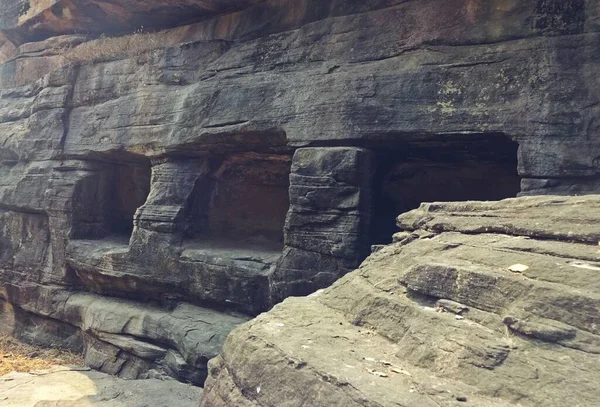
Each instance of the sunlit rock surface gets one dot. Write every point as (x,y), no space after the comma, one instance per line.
(77,387)
(477,304)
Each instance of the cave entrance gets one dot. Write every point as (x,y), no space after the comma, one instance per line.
(130,191)
(243,203)
(106,200)
(449,168)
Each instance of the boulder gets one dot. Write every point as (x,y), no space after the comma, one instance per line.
(479,304)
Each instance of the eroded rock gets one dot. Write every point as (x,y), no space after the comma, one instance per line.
(123,338)
(377,336)
(260,151)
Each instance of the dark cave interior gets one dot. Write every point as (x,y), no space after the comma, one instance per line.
(106,200)
(449,168)
(245,199)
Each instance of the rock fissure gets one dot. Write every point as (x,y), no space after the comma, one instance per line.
(66,118)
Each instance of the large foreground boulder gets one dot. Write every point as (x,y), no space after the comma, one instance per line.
(476,304)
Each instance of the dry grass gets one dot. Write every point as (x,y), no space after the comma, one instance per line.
(109,48)
(20,357)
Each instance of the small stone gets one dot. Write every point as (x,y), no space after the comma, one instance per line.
(400,236)
(370,359)
(461,399)
(518,268)
(376,248)
(376,373)
(451,306)
(397,370)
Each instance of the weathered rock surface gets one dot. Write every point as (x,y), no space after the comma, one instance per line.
(28,20)
(259,151)
(123,338)
(73,387)
(443,317)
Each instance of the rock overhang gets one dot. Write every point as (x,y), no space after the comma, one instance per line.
(30,20)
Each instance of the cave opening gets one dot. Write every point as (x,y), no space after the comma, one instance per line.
(242,204)
(131,189)
(449,168)
(105,201)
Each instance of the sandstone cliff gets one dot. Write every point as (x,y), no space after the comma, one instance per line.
(158,189)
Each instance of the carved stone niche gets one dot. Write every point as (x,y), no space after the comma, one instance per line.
(244,201)
(108,195)
(234,222)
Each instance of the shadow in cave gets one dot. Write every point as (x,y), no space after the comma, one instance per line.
(241,207)
(105,201)
(449,168)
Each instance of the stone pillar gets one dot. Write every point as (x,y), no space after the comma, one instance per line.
(163,216)
(327,226)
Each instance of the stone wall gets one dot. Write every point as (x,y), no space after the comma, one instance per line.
(191,178)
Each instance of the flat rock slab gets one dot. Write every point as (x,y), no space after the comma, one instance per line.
(66,387)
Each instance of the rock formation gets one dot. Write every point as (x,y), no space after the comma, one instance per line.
(159,188)
(476,304)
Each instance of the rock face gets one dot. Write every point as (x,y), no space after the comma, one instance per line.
(476,304)
(191,178)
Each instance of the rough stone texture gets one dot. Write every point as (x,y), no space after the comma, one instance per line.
(438,318)
(27,20)
(76,387)
(328,221)
(124,338)
(259,151)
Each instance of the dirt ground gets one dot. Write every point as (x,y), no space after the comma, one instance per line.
(34,377)
(16,356)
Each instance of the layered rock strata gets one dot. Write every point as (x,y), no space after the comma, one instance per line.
(259,151)
(476,304)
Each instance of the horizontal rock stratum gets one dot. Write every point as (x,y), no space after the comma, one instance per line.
(440,318)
